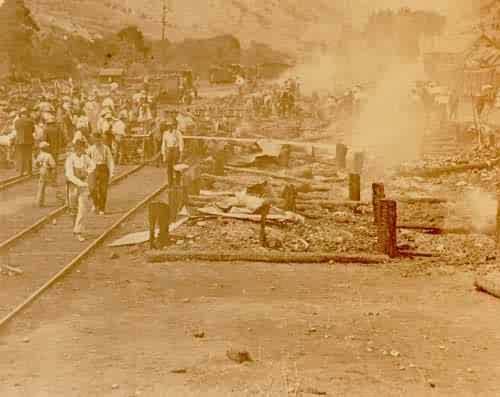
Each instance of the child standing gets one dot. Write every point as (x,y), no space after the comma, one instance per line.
(47,165)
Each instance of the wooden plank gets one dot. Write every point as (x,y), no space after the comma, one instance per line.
(277,176)
(306,145)
(258,256)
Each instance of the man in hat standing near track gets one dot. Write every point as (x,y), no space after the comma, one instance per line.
(102,157)
(77,169)
(25,128)
(172,147)
(47,166)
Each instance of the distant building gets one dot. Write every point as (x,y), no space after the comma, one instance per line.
(111,75)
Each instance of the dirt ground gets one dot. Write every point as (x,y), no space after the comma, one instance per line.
(119,327)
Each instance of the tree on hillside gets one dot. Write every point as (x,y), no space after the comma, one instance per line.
(16,32)
(133,36)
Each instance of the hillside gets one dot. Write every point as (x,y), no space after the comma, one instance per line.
(284,24)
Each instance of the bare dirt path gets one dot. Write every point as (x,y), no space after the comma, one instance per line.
(118,327)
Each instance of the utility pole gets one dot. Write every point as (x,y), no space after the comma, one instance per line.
(163,19)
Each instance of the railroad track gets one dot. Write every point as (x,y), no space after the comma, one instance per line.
(46,251)
(13,180)
(19,211)
(17,179)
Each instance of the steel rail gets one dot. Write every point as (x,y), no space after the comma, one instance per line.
(6,243)
(85,252)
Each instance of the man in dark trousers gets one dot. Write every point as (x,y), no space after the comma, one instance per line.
(99,180)
(172,147)
(53,136)
(25,128)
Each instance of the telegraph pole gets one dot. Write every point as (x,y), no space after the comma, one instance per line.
(163,19)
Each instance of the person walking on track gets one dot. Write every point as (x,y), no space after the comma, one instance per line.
(47,165)
(25,129)
(172,147)
(77,169)
(101,156)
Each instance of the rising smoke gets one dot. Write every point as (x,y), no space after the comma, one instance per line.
(390,124)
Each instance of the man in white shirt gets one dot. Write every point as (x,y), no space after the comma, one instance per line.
(102,157)
(119,131)
(172,147)
(78,166)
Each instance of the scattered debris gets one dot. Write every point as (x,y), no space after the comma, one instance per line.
(179,371)
(311,390)
(239,356)
(12,269)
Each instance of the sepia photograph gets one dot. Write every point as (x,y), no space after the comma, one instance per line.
(236,198)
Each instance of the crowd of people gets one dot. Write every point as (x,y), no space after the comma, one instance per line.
(89,131)
(92,131)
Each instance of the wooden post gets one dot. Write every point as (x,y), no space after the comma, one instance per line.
(354,187)
(194,181)
(341,154)
(498,218)
(264,211)
(378,193)
(290,196)
(359,159)
(386,228)
(220,159)
(175,201)
(284,156)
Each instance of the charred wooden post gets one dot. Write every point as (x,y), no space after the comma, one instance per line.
(341,154)
(284,156)
(386,228)
(176,200)
(192,180)
(498,219)
(159,213)
(220,160)
(290,196)
(354,187)
(359,160)
(378,193)
(264,212)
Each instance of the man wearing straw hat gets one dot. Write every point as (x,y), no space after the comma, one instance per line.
(47,165)
(77,169)
(172,147)
(102,157)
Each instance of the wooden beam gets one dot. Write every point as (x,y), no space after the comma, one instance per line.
(269,257)
(306,145)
